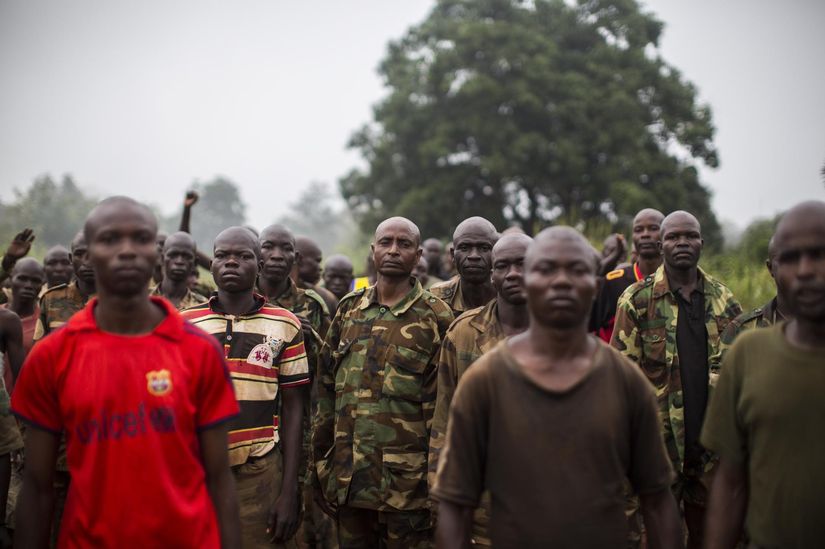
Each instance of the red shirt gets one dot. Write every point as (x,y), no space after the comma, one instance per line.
(131,407)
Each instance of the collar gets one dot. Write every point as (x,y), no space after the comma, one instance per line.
(486,317)
(370,298)
(289,293)
(661,285)
(215,306)
(771,312)
(637,272)
(171,327)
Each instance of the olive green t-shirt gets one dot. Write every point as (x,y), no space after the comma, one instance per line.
(554,462)
(768,412)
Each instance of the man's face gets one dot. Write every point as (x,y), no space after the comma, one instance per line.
(472,253)
(420,271)
(395,250)
(277,255)
(27,282)
(647,233)
(235,266)
(309,265)
(178,261)
(799,271)
(80,263)
(432,251)
(508,272)
(122,251)
(338,279)
(58,268)
(681,243)
(561,283)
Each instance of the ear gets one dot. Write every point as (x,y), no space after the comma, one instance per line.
(298,259)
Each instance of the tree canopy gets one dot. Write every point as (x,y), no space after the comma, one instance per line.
(531,113)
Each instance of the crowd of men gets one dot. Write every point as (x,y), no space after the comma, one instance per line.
(527,392)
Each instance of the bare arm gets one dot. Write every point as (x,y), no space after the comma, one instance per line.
(454,529)
(36,502)
(13,332)
(285,516)
(191,198)
(220,484)
(727,505)
(661,516)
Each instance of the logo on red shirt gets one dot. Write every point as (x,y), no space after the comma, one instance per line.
(159,382)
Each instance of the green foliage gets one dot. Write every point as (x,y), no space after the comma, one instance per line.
(55,211)
(750,282)
(532,113)
(220,206)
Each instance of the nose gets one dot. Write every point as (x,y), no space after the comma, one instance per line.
(513,272)
(805,267)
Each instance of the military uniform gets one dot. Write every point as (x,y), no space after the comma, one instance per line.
(761,317)
(371,427)
(471,335)
(189,299)
(450,293)
(645,332)
(317,528)
(57,306)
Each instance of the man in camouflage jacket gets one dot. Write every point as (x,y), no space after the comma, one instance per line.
(376,395)
(646,332)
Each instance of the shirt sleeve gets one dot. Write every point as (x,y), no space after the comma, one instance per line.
(650,467)
(35,399)
(216,402)
(723,432)
(460,477)
(293,367)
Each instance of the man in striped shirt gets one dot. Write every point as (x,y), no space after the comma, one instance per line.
(264,348)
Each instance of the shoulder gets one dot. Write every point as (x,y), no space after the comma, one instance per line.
(444,290)
(741,321)
(279,314)
(315,301)
(55,292)
(351,299)
(638,292)
(437,307)
(8,317)
(613,275)
(197,311)
(197,339)
(464,320)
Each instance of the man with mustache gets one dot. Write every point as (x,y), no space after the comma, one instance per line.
(669,323)
(474,333)
(471,251)
(376,395)
(765,418)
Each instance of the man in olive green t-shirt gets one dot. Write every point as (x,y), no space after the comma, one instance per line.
(768,410)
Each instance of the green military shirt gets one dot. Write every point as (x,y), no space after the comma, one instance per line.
(190,298)
(761,317)
(471,335)
(376,397)
(57,306)
(450,293)
(645,332)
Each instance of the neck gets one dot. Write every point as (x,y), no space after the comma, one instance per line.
(86,288)
(684,278)
(128,315)
(648,265)
(806,334)
(172,288)
(477,295)
(236,303)
(391,290)
(781,306)
(514,318)
(22,307)
(558,342)
(273,289)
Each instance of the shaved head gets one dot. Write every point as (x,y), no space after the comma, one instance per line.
(180,238)
(239,235)
(509,240)
(808,217)
(475,225)
(28,265)
(116,207)
(338,261)
(79,240)
(55,252)
(278,230)
(649,213)
(680,217)
(561,234)
(398,221)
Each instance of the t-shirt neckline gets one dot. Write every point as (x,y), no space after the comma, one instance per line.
(518,368)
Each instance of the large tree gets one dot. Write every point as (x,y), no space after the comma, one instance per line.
(532,112)
(220,206)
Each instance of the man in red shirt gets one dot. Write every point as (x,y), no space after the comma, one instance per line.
(143,398)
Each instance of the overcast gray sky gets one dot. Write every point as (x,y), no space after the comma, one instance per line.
(141,98)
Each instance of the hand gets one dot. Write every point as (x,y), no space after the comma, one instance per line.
(20,245)
(190,199)
(327,507)
(285,517)
(307,329)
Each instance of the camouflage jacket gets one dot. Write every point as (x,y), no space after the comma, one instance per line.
(57,306)
(761,317)
(645,332)
(470,336)
(190,299)
(450,293)
(376,396)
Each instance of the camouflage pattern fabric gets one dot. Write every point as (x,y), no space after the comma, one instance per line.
(450,293)
(376,397)
(190,299)
(317,529)
(761,317)
(367,529)
(470,336)
(258,485)
(57,306)
(645,332)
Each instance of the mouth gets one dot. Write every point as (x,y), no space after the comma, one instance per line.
(562,302)
(683,255)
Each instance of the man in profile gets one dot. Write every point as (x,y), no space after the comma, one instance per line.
(144,398)
(551,422)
